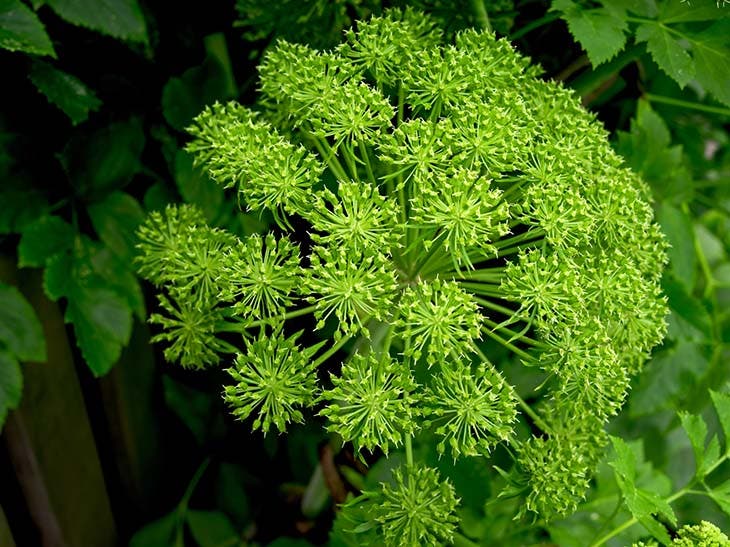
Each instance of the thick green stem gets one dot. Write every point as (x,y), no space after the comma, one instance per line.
(409,451)
(480,14)
(510,346)
(687,104)
(330,352)
(240,327)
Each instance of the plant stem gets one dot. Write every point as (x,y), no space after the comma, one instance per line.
(409,451)
(182,507)
(238,327)
(514,349)
(687,104)
(480,14)
(334,349)
(366,161)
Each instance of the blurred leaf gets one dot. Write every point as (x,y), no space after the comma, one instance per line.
(11,384)
(158,196)
(102,323)
(19,205)
(118,18)
(20,331)
(160,533)
(197,187)
(601,31)
(211,528)
(20,30)
(65,91)
(669,376)
(117,276)
(231,494)
(116,219)
(289,542)
(683,12)
(721,495)
(667,51)
(193,407)
(104,160)
(687,307)
(43,239)
(184,97)
(647,151)
(677,226)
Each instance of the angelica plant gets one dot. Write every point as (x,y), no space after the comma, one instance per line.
(453,203)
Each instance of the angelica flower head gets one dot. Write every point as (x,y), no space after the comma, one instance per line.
(455,208)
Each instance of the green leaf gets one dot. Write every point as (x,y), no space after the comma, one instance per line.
(670,375)
(601,31)
(721,495)
(11,384)
(721,402)
(57,277)
(696,430)
(211,528)
(44,239)
(711,50)
(647,151)
(696,10)
(65,91)
(118,18)
(104,160)
(20,30)
(197,187)
(193,407)
(667,52)
(116,275)
(231,494)
(686,306)
(102,323)
(20,331)
(184,97)
(116,219)
(677,226)
(19,205)
(160,533)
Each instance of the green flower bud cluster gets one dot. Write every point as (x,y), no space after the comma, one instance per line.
(455,203)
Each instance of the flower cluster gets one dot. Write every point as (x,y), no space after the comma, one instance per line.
(455,212)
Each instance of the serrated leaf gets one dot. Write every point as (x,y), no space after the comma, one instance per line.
(197,187)
(118,18)
(116,219)
(102,323)
(160,533)
(20,331)
(57,277)
(104,160)
(667,52)
(21,30)
(711,50)
(65,91)
(43,239)
(601,31)
(211,528)
(696,430)
(721,402)
(11,384)
(677,226)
